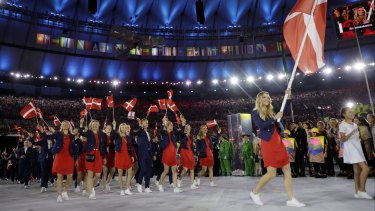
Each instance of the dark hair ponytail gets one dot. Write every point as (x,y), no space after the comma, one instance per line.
(343,111)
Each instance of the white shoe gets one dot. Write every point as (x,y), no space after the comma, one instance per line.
(256,198)
(356,196)
(92,196)
(212,184)
(26,187)
(161,189)
(77,189)
(193,187)
(107,188)
(198,181)
(179,183)
(294,203)
(139,188)
(84,193)
(148,190)
(128,192)
(195,182)
(122,193)
(65,196)
(156,183)
(364,195)
(59,199)
(42,190)
(177,190)
(171,185)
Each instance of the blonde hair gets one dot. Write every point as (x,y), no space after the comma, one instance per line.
(92,121)
(65,122)
(200,133)
(358,19)
(122,133)
(264,112)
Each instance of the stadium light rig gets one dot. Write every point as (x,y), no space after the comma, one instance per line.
(250,79)
(359,66)
(269,77)
(234,80)
(327,70)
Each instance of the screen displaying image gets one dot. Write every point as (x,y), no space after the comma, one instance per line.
(359,15)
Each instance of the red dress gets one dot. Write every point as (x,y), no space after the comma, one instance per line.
(170,153)
(209,160)
(81,167)
(187,156)
(110,154)
(97,165)
(122,159)
(274,152)
(64,161)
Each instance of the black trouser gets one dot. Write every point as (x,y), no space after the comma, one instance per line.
(330,168)
(25,171)
(46,166)
(145,164)
(319,168)
(300,162)
(14,172)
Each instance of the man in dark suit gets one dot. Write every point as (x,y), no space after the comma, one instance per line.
(25,155)
(300,136)
(146,155)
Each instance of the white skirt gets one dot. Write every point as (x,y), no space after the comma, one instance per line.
(353,152)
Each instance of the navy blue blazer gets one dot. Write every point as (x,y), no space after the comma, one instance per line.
(118,143)
(266,127)
(59,143)
(90,144)
(201,143)
(164,139)
(29,155)
(183,139)
(145,146)
(44,151)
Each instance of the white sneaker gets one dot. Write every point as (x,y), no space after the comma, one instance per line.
(179,183)
(148,190)
(161,189)
(59,199)
(122,193)
(26,187)
(177,190)
(193,187)
(198,181)
(65,196)
(171,185)
(294,203)
(256,198)
(195,182)
(128,192)
(42,190)
(212,184)
(107,188)
(77,189)
(84,193)
(92,196)
(157,183)
(364,195)
(139,188)
(356,196)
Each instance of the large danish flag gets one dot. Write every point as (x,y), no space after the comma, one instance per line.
(295,25)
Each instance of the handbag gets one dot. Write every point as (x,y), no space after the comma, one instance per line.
(90,158)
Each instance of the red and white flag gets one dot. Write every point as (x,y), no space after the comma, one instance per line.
(170,94)
(83,113)
(88,102)
(29,111)
(105,124)
(96,104)
(72,123)
(37,135)
(211,123)
(172,106)
(39,113)
(152,109)
(162,104)
(110,102)
(129,105)
(56,121)
(295,25)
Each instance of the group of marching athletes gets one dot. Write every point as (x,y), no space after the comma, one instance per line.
(96,153)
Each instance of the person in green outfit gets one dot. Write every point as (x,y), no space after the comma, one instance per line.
(248,155)
(226,155)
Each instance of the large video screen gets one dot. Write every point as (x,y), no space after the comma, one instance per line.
(358,16)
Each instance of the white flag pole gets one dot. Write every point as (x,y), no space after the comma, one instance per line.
(370,12)
(298,57)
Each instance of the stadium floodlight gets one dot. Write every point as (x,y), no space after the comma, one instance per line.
(80,80)
(347,68)
(215,81)
(115,82)
(234,80)
(269,77)
(327,70)
(350,104)
(359,66)
(188,83)
(250,79)
(281,76)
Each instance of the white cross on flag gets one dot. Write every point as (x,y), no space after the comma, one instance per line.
(211,123)
(29,111)
(152,109)
(295,25)
(129,105)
